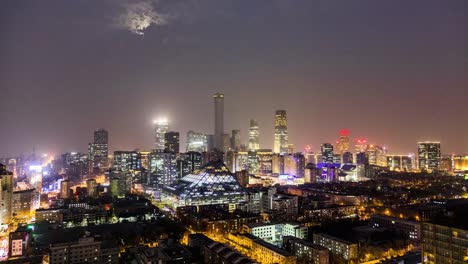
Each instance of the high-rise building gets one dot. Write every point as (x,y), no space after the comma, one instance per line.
(65,189)
(163,168)
(254,135)
(188,162)
(91,187)
(377,155)
(327,153)
(294,164)
(281,132)
(6,194)
(171,142)
(98,151)
(429,155)
(235,140)
(24,203)
(210,142)
(219,121)
(361,145)
(196,142)
(362,158)
(343,142)
(400,162)
(445,239)
(115,187)
(160,129)
(226,142)
(347,157)
(126,160)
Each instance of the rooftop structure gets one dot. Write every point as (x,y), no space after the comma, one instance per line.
(213,184)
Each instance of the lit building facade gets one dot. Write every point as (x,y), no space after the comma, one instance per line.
(429,155)
(343,142)
(189,162)
(254,135)
(6,194)
(339,247)
(377,155)
(305,251)
(91,187)
(126,161)
(274,233)
(163,168)
(65,189)
(213,184)
(444,244)
(400,162)
(410,229)
(294,165)
(460,165)
(161,127)
(196,142)
(327,153)
(98,151)
(24,203)
(281,132)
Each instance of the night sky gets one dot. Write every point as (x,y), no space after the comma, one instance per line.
(394,72)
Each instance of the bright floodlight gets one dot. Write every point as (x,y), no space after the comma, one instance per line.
(160,121)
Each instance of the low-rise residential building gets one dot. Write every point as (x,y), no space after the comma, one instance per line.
(305,251)
(339,247)
(217,253)
(444,243)
(273,233)
(85,250)
(407,228)
(267,253)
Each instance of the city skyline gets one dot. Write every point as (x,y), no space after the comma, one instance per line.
(329,66)
(166,123)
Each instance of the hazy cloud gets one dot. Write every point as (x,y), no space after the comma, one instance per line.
(140,15)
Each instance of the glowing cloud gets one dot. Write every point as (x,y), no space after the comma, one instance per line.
(138,16)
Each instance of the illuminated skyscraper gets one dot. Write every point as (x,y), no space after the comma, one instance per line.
(429,155)
(160,129)
(219,121)
(126,161)
(254,135)
(343,142)
(188,163)
(327,153)
(171,142)
(361,145)
(163,168)
(98,151)
(196,142)
(281,132)
(377,155)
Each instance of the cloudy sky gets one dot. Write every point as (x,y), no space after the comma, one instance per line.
(394,72)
